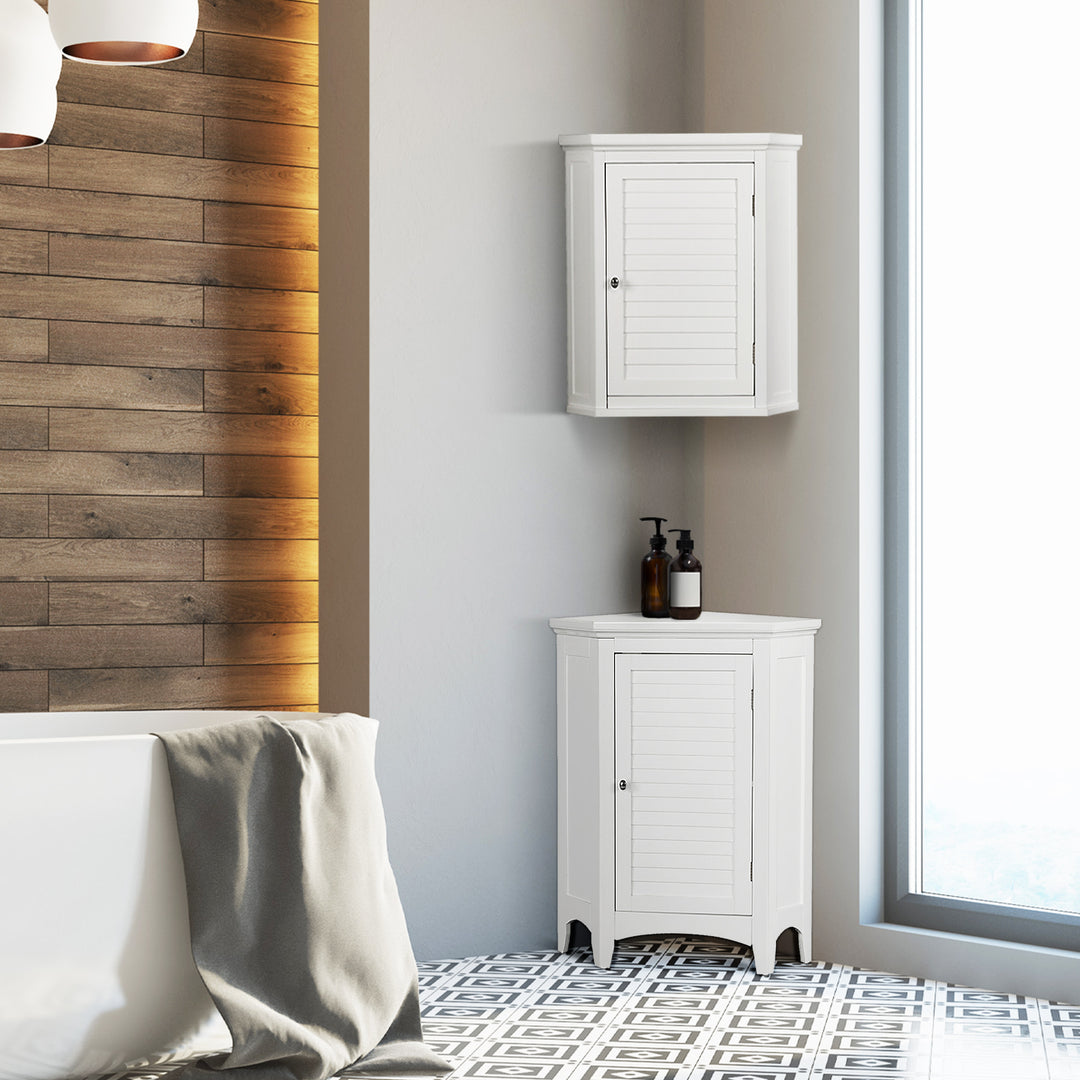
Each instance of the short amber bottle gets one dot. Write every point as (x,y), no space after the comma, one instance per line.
(685,581)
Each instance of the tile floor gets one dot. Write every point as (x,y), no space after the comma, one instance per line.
(694,1009)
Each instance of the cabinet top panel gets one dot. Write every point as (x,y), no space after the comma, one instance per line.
(698,141)
(708,624)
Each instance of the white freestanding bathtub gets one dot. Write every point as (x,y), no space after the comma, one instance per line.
(95,954)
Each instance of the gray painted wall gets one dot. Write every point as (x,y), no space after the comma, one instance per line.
(782,496)
(492,509)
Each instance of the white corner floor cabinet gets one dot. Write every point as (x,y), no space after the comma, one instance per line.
(684,766)
(682,274)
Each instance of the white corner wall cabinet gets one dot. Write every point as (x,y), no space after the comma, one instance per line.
(682,274)
(684,765)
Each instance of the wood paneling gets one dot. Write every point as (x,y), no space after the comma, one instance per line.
(165,260)
(178,91)
(24,691)
(242,393)
(261,560)
(28,167)
(32,296)
(24,603)
(158,379)
(174,346)
(101,212)
(106,603)
(46,647)
(177,518)
(24,252)
(261,478)
(244,686)
(30,471)
(146,131)
(24,515)
(249,140)
(180,433)
(262,643)
(262,309)
(268,226)
(182,177)
(289,20)
(262,58)
(45,559)
(99,387)
(24,339)
(23,429)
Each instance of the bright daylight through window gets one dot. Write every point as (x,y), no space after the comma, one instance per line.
(990,800)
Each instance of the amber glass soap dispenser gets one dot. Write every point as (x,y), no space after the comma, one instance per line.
(654,575)
(685,595)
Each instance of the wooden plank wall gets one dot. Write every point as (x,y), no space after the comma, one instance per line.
(158,379)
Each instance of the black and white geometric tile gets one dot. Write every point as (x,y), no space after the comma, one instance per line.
(695,1009)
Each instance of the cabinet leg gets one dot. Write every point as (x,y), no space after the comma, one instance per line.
(764,951)
(562,935)
(602,950)
(803,938)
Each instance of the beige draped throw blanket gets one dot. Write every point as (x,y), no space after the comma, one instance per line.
(296,925)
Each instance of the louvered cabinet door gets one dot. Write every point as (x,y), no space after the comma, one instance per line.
(683,746)
(680,279)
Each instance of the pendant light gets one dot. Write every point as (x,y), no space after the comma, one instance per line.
(124,31)
(29,68)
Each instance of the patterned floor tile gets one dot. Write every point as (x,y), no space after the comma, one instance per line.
(752,1074)
(627,1072)
(695,1009)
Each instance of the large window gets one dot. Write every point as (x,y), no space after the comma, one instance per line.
(984,453)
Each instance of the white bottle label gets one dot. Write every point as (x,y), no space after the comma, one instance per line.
(685,590)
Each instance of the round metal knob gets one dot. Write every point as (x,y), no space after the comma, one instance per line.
(622,785)
(614,282)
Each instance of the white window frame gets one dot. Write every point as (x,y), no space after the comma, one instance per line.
(904,903)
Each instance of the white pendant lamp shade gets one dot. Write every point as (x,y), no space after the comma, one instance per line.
(124,31)
(29,68)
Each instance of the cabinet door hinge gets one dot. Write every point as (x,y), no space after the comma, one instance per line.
(753,352)
(753,205)
(751,699)
(751,871)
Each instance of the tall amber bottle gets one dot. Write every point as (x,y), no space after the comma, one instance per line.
(685,595)
(654,575)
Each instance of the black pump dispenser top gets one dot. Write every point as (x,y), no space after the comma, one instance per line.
(684,543)
(659,540)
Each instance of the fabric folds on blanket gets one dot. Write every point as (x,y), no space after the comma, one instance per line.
(296,925)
